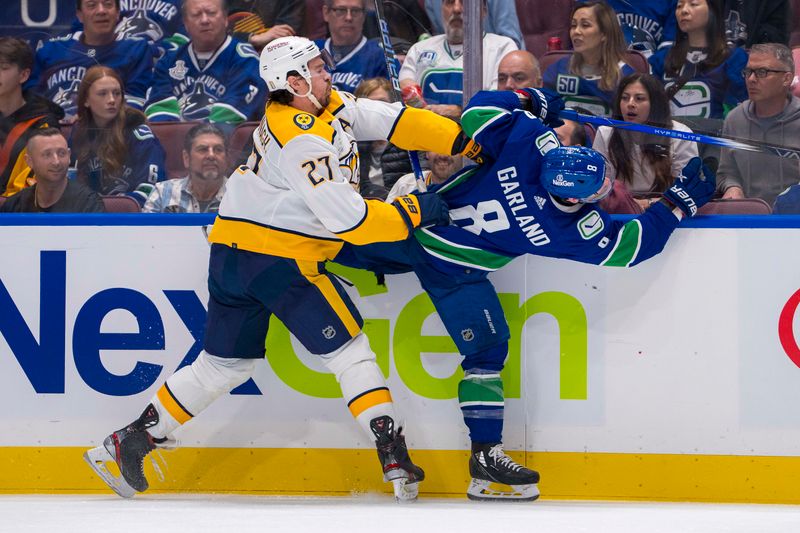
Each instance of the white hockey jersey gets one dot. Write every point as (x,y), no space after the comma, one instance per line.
(297,196)
(437,66)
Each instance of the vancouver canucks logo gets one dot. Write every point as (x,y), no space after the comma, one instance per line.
(304,121)
(178,72)
(197,104)
(138,24)
(639,39)
(66,98)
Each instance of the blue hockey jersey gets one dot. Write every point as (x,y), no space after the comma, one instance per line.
(501,210)
(705,94)
(581,92)
(144,166)
(226,89)
(157,21)
(61,63)
(647,26)
(365,61)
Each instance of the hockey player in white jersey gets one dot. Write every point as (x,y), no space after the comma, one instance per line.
(291,208)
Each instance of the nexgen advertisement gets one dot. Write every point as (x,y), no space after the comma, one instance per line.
(693,354)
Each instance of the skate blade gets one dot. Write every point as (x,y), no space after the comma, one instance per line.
(484,490)
(97,459)
(404,491)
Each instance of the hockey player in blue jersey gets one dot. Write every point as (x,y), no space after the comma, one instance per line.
(530,196)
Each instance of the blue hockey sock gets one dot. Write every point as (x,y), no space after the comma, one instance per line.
(480,397)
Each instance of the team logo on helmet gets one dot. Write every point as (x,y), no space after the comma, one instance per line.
(304,121)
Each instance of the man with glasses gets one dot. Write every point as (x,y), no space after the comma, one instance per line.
(770,114)
(354,56)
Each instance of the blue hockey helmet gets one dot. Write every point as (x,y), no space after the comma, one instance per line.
(576,172)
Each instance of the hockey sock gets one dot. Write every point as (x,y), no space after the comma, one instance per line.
(193,388)
(363,386)
(480,396)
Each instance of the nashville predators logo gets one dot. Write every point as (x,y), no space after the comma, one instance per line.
(304,121)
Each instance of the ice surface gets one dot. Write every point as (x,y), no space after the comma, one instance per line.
(377,514)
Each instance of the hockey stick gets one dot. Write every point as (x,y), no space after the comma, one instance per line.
(391,66)
(733,143)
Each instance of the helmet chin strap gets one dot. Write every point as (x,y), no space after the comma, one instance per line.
(311,97)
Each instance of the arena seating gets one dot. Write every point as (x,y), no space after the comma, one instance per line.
(541,19)
(171,136)
(240,145)
(743,206)
(121,204)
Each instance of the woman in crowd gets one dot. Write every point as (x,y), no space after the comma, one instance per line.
(588,78)
(115,151)
(702,76)
(645,165)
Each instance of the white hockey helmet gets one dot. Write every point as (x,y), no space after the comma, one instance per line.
(289,54)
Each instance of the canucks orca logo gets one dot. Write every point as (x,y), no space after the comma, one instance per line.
(139,25)
(197,104)
(66,98)
(304,121)
(639,40)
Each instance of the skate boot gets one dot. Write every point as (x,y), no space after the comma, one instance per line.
(127,448)
(495,476)
(393,455)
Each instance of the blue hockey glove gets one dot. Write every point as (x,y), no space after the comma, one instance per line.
(422,209)
(543,103)
(693,188)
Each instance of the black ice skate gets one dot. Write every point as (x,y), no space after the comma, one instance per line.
(495,476)
(393,455)
(127,448)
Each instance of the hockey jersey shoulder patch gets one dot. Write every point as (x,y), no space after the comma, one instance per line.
(143,132)
(286,122)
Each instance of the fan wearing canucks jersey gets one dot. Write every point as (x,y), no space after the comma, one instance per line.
(62,62)
(354,56)
(530,196)
(434,67)
(213,77)
(648,26)
(588,77)
(701,74)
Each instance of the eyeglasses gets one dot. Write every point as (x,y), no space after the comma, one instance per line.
(760,73)
(354,12)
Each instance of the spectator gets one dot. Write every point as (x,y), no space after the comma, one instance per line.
(701,74)
(115,151)
(589,77)
(441,167)
(354,57)
(749,22)
(205,155)
(571,133)
(156,22)
(647,26)
(382,163)
(771,114)
(213,77)
(501,20)
(20,114)
(643,164)
(406,19)
(517,70)
(62,61)
(48,156)
(433,69)
(272,19)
